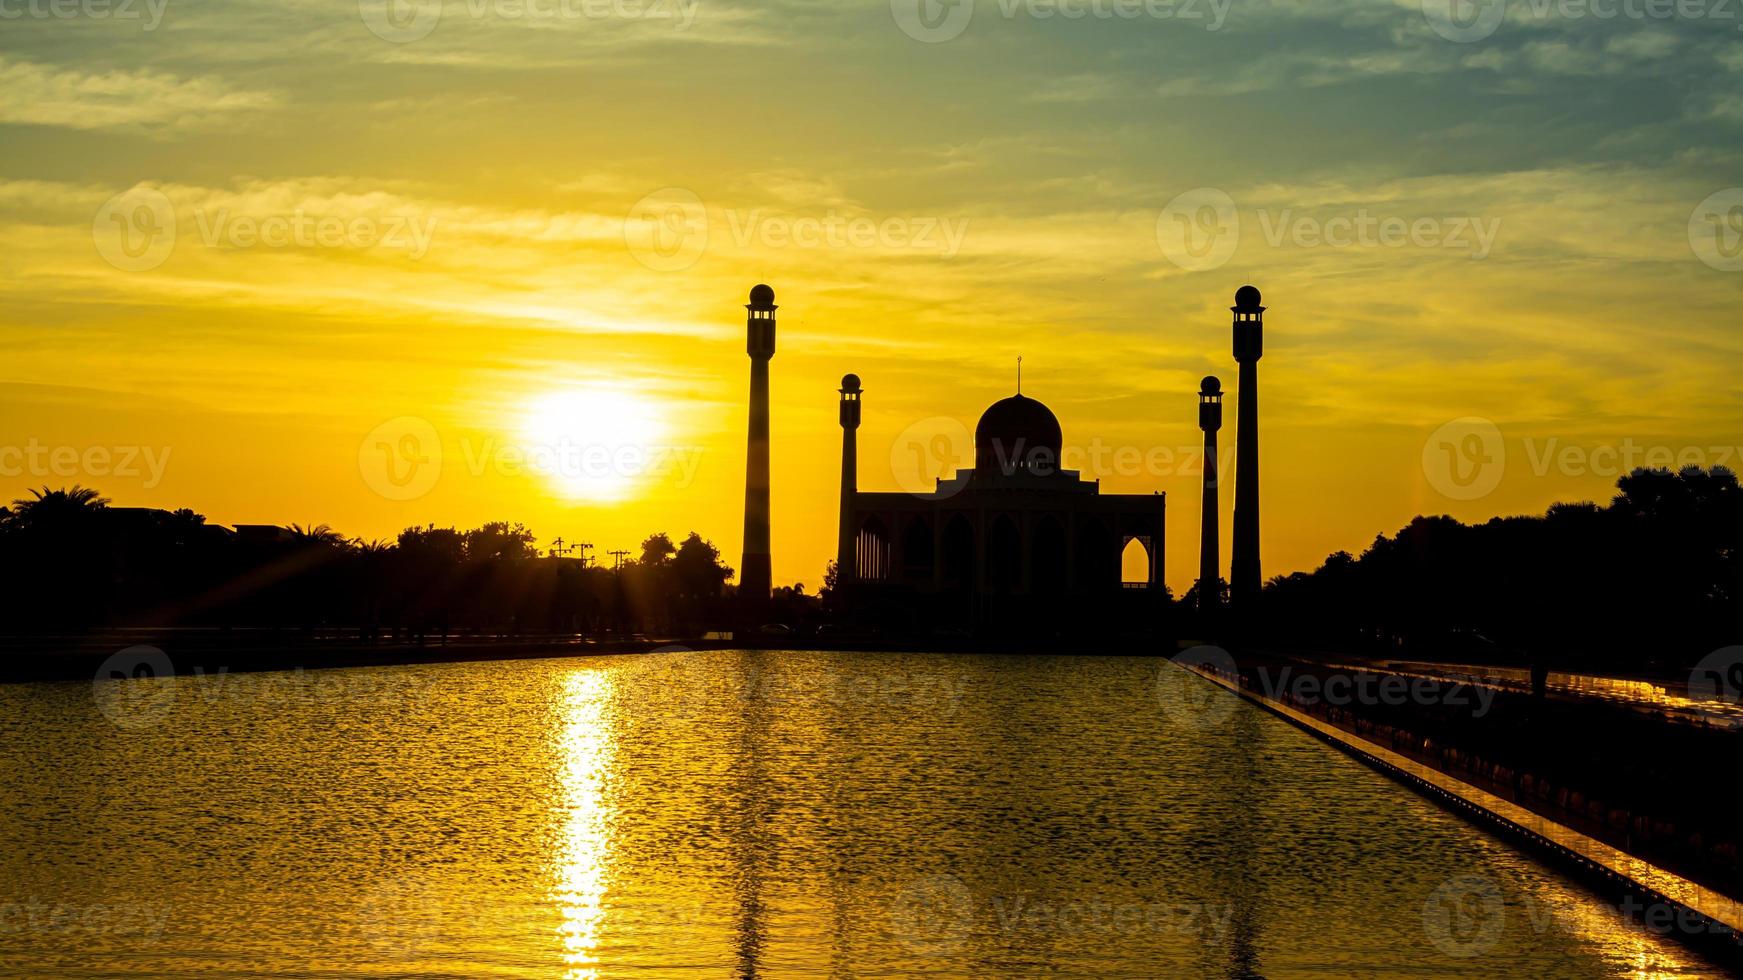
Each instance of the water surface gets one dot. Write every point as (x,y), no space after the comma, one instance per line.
(765,814)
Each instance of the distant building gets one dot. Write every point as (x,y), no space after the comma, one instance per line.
(262,533)
(1015,545)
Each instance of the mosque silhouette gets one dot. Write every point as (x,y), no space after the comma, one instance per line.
(1017,543)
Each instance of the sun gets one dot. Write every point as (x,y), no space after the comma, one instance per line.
(594,443)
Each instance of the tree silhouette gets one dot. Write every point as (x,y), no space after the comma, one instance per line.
(320,535)
(657,551)
(67,561)
(697,567)
(55,510)
(499,540)
(1653,578)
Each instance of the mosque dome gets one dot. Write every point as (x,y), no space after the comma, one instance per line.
(762,296)
(1012,431)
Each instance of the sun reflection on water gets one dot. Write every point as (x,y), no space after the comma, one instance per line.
(583,871)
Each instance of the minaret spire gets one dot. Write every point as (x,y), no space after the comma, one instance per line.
(1249,330)
(1210,419)
(756,576)
(846,555)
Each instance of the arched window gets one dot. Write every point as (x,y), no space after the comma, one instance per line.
(1136,567)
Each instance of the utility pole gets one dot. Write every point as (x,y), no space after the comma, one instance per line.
(557,548)
(583,547)
(617,559)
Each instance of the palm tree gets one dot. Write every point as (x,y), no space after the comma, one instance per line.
(63,514)
(47,505)
(320,534)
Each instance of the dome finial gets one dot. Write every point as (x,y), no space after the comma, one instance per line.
(1019,374)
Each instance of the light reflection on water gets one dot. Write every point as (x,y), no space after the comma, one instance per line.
(746,814)
(585,741)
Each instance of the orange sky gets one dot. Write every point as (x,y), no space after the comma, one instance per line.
(273,275)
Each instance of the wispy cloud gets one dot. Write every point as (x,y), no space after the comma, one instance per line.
(146,101)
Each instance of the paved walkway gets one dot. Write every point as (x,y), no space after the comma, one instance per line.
(1594,855)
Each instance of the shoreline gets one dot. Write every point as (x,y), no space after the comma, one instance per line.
(84,660)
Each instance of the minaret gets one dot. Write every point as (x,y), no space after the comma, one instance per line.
(1249,329)
(1210,419)
(755,578)
(845,557)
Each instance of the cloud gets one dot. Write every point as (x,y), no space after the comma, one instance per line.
(41,95)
